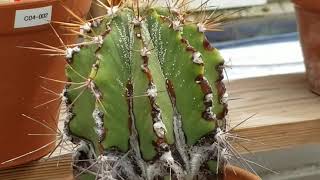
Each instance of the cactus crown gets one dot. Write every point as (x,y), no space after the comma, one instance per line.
(146,98)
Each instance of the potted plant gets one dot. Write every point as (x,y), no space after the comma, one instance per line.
(145,97)
(26,24)
(308,17)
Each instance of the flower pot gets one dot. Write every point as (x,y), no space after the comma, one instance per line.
(236,173)
(23,23)
(308,17)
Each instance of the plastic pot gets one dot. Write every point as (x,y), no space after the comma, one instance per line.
(308,17)
(23,23)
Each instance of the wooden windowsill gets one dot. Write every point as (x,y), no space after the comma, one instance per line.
(287,112)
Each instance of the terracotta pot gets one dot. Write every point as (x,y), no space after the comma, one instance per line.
(308,16)
(21,70)
(235,173)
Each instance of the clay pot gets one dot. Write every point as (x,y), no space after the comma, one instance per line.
(235,173)
(308,17)
(21,69)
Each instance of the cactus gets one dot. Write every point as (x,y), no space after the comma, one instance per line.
(145,95)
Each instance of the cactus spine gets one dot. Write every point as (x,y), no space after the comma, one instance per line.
(146,98)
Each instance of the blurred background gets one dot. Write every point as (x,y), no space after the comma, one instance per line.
(259,38)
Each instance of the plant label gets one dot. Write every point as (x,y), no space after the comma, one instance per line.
(33,17)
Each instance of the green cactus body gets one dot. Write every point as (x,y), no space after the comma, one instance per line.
(146,98)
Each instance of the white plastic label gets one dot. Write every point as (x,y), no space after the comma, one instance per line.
(33,17)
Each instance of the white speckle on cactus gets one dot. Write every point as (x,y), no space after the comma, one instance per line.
(225,98)
(160,129)
(201,27)
(70,51)
(145,52)
(158,117)
(112,10)
(205,79)
(66,136)
(210,114)
(125,43)
(76,49)
(177,26)
(63,98)
(97,40)
(167,157)
(220,136)
(197,58)
(158,42)
(98,118)
(137,21)
(86,27)
(68,117)
(99,123)
(152,91)
(208,97)
(100,133)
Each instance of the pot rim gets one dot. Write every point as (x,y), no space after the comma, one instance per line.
(241,174)
(24,3)
(299,4)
